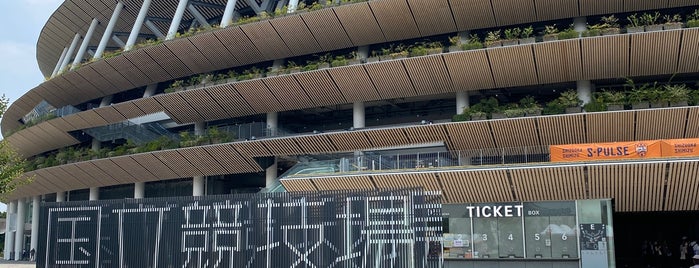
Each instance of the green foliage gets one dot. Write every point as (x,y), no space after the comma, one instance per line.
(595,106)
(418,50)
(554,107)
(634,20)
(11,170)
(569,99)
(550,29)
(693,23)
(513,33)
(492,37)
(677,93)
(527,32)
(650,18)
(669,19)
(339,61)
(610,22)
(569,33)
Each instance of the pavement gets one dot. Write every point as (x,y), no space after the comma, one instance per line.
(16,264)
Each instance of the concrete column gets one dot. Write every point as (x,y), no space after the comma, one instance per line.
(464,37)
(176,19)
(10,237)
(198,186)
(462,102)
(6,251)
(109,30)
(272,123)
(585,91)
(227,18)
(60,196)
(198,16)
(60,62)
(580,25)
(19,234)
(199,128)
(363,52)
(150,90)
(106,101)
(137,25)
(94,193)
(69,54)
(85,43)
(36,203)
(139,190)
(271,174)
(293,4)
(358,115)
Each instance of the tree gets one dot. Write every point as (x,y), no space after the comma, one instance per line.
(11,163)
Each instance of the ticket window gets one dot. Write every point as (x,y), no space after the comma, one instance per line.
(550,230)
(457,233)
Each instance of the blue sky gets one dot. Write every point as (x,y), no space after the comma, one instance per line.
(22,21)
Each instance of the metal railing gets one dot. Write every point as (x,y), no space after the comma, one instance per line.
(375,162)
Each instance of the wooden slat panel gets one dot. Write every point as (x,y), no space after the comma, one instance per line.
(178,109)
(92,118)
(288,92)
(204,104)
(349,141)
(470,135)
(610,127)
(128,109)
(214,50)
(296,35)
(507,74)
(649,57)
(110,74)
(104,178)
(682,187)
(230,100)
(633,5)
(148,105)
(605,57)
(239,45)
(395,19)
(168,61)
(154,166)
(199,157)
(493,186)
(429,75)
(354,83)
(515,132)
(128,70)
(97,80)
(76,121)
(298,185)
(692,129)
(266,39)
(509,12)
(110,114)
(387,137)
(320,88)
(432,17)
(344,183)
(689,61)
(326,29)
(230,159)
(564,129)
(594,7)
(190,55)
(427,181)
(282,146)
(258,96)
(469,70)
(391,79)
(556,183)
(681,3)
(360,24)
(177,163)
(634,187)
(80,175)
(252,148)
(558,61)
(660,124)
(555,9)
(426,134)
(142,62)
(315,144)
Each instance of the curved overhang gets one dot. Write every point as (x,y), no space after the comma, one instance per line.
(631,55)
(535,133)
(328,29)
(653,185)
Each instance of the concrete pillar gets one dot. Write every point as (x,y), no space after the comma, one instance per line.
(36,203)
(94,193)
(272,123)
(198,186)
(150,90)
(580,25)
(462,102)
(7,248)
(585,91)
(83,47)
(358,115)
(69,54)
(271,174)
(60,196)
(10,237)
(293,4)
(137,25)
(19,234)
(139,190)
(108,30)
(199,128)
(464,37)
(106,101)
(198,16)
(227,18)
(176,19)
(60,62)
(363,52)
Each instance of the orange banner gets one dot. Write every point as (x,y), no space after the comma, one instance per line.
(680,148)
(606,151)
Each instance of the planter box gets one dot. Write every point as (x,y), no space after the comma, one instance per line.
(640,105)
(654,28)
(433,51)
(660,104)
(398,57)
(551,37)
(354,61)
(478,118)
(679,104)
(537,113)
(455,48)
(672,26)
(495,44)
(498,116)
(294,70)
(372,59)
(634,30)
(573,110)
(615,107)
(323,65)
(510,43)
(530,40)
(610,31)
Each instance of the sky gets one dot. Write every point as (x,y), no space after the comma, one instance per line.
(23,21)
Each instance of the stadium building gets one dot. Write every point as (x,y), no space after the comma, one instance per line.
(556,131)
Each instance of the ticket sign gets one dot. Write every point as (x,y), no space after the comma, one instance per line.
(680,148)
(606,151)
